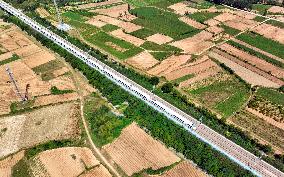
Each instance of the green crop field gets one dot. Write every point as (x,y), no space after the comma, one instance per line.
(203,16)
(272,95)
(163,22)
(263,43)
(225,97)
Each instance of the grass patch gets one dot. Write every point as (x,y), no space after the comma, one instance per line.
(142,33)
(46,70)
(105,126)
(55,91)
(184,78)
(229,30)
(203,16)
(156,47)
(271,95)
(9,60)
(261,8)
(225,97)
(109,28)
(142,3)
(73,16)
(263,43)
(275,23)
(100,39)
(161,55)
(21,169)
(163,22)
(257,54)
(19,107)
(259,19)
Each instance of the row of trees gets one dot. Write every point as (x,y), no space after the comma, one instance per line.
(137,109)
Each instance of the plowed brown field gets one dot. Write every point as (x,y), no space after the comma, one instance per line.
(134,150)
(270,32)
(98,171)
(127,37)
(142,61)
(159,39)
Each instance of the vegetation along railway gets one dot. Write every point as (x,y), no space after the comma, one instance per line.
(236,153)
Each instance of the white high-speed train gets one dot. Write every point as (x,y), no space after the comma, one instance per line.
(121,80)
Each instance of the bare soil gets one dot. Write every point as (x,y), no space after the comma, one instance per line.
(142,61)
(96,22)
(241,23)
(225,17)
(38,59)
(63,83)
(192,23)
(7,164)
(98,171)
(134,150)
(127,37)
(159,39)
(270,32)
(52,99)
(181,8)
(276,10)
(103,3)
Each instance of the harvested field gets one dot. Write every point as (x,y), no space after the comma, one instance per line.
(7,164)
(192,68)
(215,30)
(67,161)
(270,32)
(260,129)
(276,10)
(51,123)
(96,22)
(170,64)
(134,150)
(181,8)
(127,37)
(27,50)
(246,74)
(244,14)
(37,127)
(241,23)
(212,22)
(5,56)
(38,59)
(159,39)
(60,71)
(266,118)
(63,83)
(119,11)
(192,23)
(8,43)
(4,107)
(195,44)
(98,171)
(142,61)
(42,12)
(225,17)
(127,26)
(254,61)
(183,169)
(53,99)
(103,3)
(10,138)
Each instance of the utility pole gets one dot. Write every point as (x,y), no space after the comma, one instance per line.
(61,25)
(15,84)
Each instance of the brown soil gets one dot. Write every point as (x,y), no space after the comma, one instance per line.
(244,14)
(276,10)
(67,161)
(38,59)
(170,64)
(270,32)
(7,164)
(254,61)
(6,56)
(127,26)
(212,22)
(63,83)
(142,61)
(52,99)
(192,68)
(27,51)
(241,23)
(91,5)
(183,169)
(116,47)
(120,11)
(42,12)
(225,17)
(159,39)
(98,171)
(127,37)
(181,8)
(96,22)
(215,30)
(195,44)
(246,74)
(60,71)
(134,150)
(192,23)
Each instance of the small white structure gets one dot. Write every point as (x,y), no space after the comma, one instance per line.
(61,26)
